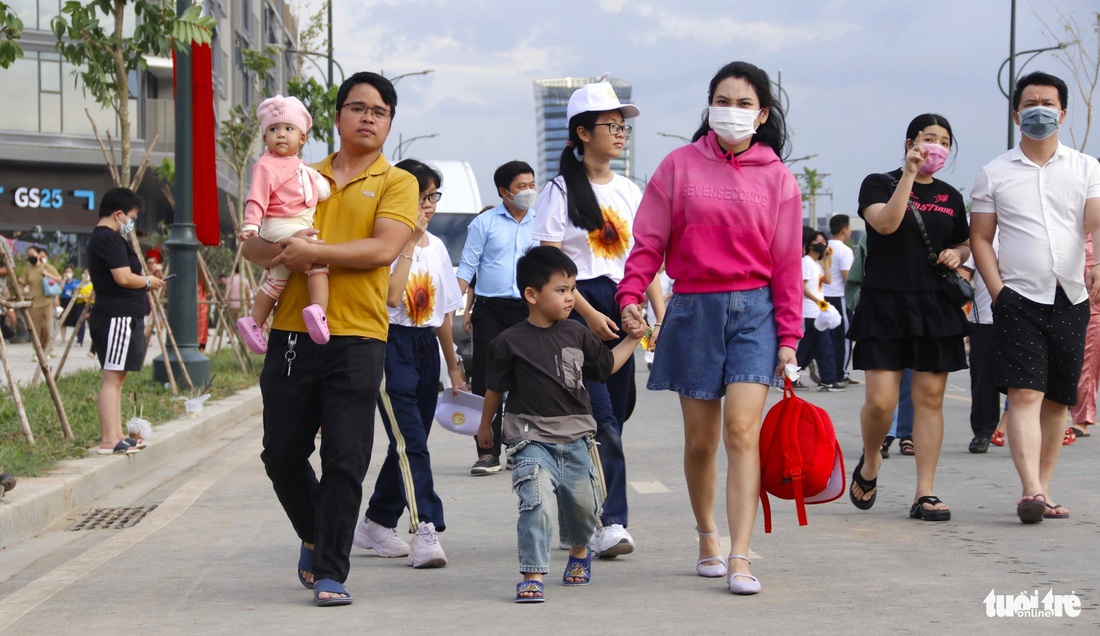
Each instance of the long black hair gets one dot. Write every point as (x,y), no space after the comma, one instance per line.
(580,198)
(772,132)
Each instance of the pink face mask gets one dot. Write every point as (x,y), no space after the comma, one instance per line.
(937,157)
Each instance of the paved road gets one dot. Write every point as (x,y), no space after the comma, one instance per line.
(218,556)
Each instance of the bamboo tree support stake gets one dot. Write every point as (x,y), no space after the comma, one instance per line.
(69,345)
(160,317)
(222,307)
(66,432)
(15,396)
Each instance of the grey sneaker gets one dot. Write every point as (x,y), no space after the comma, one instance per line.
(830,388)
(485,465)
(425,551)
(611,541)
(384,541)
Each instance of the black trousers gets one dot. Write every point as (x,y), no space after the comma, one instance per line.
(335,386)
(985,399)
(491,317)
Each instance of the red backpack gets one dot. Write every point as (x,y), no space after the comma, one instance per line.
(800,457)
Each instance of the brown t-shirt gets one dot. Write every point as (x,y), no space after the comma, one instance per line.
(543,370)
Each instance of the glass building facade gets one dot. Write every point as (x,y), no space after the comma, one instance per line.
(551,100)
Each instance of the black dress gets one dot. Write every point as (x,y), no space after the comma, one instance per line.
(904,320)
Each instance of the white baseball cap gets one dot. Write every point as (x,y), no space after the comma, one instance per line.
(598,97)
(459,413)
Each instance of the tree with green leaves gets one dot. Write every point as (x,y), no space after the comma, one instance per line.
(237,134)
(811,181)
(90,36)
(1082,59)
(11,29)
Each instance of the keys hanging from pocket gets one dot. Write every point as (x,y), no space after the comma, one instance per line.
(291,340)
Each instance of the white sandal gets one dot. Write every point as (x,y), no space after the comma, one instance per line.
(710,570)
(743,587)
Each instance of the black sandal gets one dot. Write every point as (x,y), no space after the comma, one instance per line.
(918,511)
(907,447)
(866,485)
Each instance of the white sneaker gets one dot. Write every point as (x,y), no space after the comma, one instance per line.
(611,541)
(384,541)
(425,550)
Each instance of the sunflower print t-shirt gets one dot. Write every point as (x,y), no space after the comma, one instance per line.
(603,251)
(432,289)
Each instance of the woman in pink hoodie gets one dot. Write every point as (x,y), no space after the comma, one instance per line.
(725,214)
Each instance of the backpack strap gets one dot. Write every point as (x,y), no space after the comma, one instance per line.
(793,456)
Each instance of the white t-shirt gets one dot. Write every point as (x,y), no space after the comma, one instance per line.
(812,275)
(432,289)
(843,257)
(601,252)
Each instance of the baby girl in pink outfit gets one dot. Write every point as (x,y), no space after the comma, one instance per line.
(281,202)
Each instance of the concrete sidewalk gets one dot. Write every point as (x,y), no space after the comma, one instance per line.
(217,555)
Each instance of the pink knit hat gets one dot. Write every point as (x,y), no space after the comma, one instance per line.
(284,110)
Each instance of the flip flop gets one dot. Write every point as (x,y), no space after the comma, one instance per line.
(121,448)
(578,569)
(866,485)
(918,511)
(529,587)
(332,587)
(1078,432)
(305,562)
(1052,512)
(1032,510)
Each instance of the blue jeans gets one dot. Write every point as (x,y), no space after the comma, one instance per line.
(564,471)
(903,413)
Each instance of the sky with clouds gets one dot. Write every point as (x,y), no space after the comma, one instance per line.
(855,71)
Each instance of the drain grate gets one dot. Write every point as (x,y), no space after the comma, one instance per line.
(111,518)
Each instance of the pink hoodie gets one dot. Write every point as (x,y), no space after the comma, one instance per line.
(723,223)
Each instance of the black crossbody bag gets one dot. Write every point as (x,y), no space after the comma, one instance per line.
(957,289)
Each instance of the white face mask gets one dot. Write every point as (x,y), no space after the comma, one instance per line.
(524,199)
(733,125)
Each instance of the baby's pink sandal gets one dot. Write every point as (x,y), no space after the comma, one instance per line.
(316,323)
(252,334)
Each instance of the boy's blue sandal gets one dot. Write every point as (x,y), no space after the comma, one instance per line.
(332,587)
(529,587)
(305,564)
(580,570)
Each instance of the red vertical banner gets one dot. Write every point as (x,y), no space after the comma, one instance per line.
(204,159)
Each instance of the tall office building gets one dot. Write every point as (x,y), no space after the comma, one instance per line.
(551,100)
(52,171)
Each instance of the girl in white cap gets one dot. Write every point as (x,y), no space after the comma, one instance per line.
(588,212)
(281,202)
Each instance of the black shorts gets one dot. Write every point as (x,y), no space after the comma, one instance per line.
(1039,347)
(119,341)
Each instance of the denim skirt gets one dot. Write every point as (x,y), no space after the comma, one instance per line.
(708,341)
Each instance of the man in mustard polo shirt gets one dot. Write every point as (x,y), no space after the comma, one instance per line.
(305,386)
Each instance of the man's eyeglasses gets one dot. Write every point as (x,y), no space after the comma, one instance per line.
(358,109)
(433,197)
(615,129)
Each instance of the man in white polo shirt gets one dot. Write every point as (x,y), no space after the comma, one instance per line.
(1037,198)
(840,229)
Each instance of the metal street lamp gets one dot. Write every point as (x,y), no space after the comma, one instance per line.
(397,78)
(686,140)
(1013,73)
(403,143)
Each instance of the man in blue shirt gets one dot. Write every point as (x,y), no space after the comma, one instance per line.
(495,240)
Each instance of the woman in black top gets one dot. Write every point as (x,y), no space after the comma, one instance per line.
(904,320)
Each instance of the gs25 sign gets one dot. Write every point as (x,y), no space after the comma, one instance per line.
(49,198)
